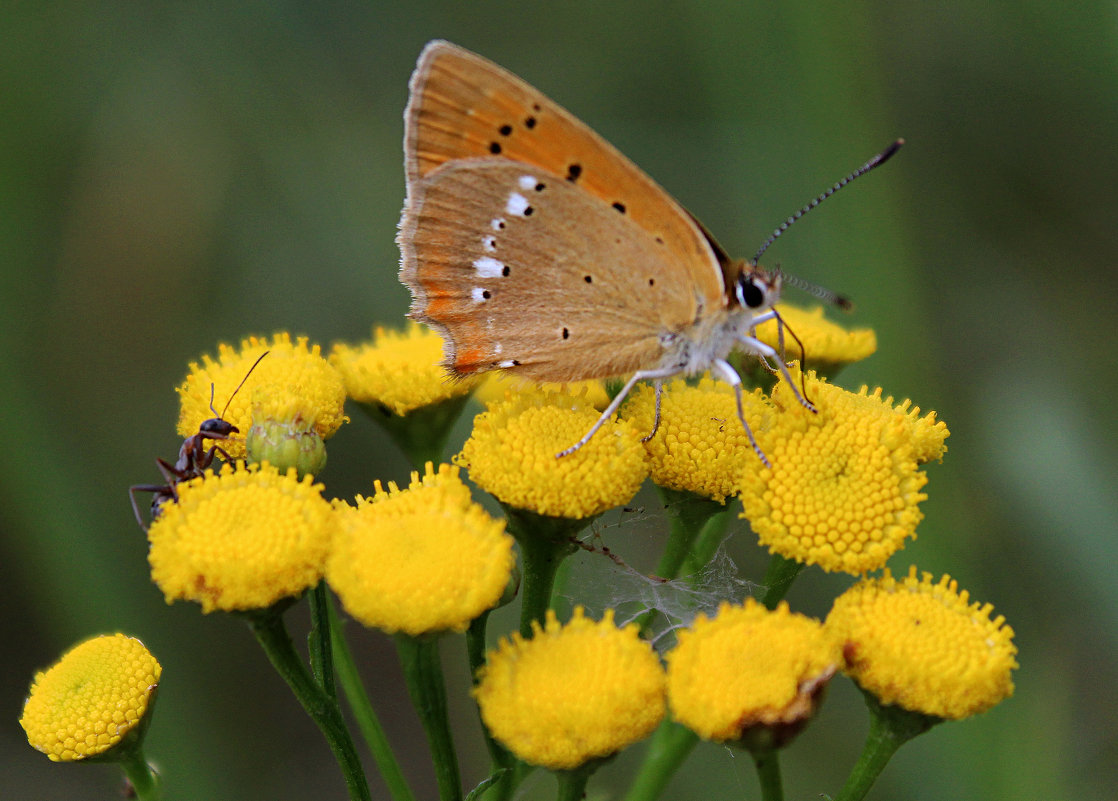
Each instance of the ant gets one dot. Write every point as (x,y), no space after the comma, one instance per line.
(194,456)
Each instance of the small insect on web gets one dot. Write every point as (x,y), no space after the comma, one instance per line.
(194,456)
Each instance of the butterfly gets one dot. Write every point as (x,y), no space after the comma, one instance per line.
(534,246)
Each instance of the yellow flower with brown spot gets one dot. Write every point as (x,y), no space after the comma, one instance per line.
(97,694)
(826,345)
(749,669)
(399,370)
(293,376)
(844,488)
(511,454)
(700,446)
(571,693)
(242,539)
(923,646)
(424,559)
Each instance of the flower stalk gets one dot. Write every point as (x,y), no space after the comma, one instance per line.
(272,634)
(890,728)
(419,657)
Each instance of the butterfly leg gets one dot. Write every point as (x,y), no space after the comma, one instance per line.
(656,419)
(640,375)
(727,373)
(765,352)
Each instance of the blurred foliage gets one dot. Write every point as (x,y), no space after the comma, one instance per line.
(173,175)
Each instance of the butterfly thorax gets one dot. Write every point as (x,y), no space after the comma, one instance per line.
(751,291)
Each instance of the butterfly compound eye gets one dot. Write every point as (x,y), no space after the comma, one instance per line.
(752,291)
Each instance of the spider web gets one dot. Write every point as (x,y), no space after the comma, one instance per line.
(603,581)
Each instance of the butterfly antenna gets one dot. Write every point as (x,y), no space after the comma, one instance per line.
(876,161)
(828,296)
(238,389)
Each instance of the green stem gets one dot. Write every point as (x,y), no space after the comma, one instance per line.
(890,728)
(498,754)
(768,772)
(273,638)
(421,433)
(419,657)
(710,537)
(689,513)
(318,641)
(143,778)
(572,783)
(544,543)
(667,750)
(363,712)
(778,579)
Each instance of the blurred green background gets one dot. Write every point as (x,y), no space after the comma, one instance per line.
(173,175)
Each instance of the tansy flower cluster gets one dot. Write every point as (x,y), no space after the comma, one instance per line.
(845,484)
(419,560)
(839,488)
(512,455)
(572,692)
(91,699)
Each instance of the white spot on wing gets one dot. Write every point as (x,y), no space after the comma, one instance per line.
(497,223)
(506,363)
(517,204)
(488,267)
(478,294)
(497,348)
(489,243)
(527,182)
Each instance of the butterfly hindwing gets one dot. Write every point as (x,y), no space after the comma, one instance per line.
(521,270)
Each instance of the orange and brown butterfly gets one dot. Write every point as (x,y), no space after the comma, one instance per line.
(532,245)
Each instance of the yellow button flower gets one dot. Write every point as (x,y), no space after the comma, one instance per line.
(292,374)
(511,455)
(424,559)
(497,384)
(242,539)
(922,646)
(843,491)
(571,693)
(749,667)
(700,446)
(826,345)
(400,370)
(91,699)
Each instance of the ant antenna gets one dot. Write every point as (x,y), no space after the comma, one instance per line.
(238,389)
(876,161)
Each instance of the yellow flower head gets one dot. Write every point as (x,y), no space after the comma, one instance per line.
(844,486)
(497,384)
(242,539)
(511,455)
(400,370)
(749,667)
(921,645)
(825,344)
(293,377)
(572,693)
(424,559)
(91,699)
(700,446)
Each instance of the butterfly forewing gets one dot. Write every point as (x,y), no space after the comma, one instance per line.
(517,268)
(463,106)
